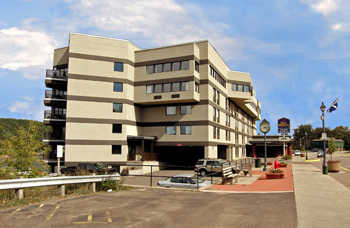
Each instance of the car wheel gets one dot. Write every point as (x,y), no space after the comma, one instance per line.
(203,172)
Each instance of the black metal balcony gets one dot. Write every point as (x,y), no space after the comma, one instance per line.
(53,119)
(61,73)
(52,136)
(59,95)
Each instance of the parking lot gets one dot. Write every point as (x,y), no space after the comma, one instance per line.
(158,208)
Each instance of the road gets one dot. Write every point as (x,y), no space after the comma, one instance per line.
(343,176)
(158,208)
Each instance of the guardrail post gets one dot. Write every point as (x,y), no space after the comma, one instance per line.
(62,189)
(19,192)
(92,186)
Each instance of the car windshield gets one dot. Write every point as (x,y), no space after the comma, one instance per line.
(200,180)
(99,165)
(200,163)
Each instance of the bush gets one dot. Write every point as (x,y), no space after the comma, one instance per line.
(287,157)
(109,183)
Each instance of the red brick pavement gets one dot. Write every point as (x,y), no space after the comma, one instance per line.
(261,184)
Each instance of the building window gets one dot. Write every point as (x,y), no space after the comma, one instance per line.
(240,88)
(116,149)
(218,116)
(185,65)
(149,88)
(185,86)
(185,109)
(170,130)
(118,67)
(214,132)
(167,67)
(117,128)
(158,88)
(176,86)
(236,124)
(218,133)
(228,120)
(186,130)
(167,87)
(170,110)
(150,69)
(228,135)
(196,66)
(158,68)
(214,114)
(247,88)
(218,97)
(214,95)
(237,138)
(118,87)
(243,127)
(196,87)
(234,87)
(176,66)
(117,107)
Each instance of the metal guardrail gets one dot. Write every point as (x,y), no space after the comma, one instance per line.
(20,184)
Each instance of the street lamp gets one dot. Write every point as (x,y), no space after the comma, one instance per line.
(325,168)
(307,158)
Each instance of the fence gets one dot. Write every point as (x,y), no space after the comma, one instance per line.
(20,184)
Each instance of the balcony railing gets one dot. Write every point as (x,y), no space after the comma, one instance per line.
(52,136)
(61,73)
(50,94)
(49,115)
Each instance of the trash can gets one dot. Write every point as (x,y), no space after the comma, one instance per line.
(257,163)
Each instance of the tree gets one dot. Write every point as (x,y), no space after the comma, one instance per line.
(20,152)
(331,148)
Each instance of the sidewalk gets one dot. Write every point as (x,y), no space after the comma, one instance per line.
(321,201)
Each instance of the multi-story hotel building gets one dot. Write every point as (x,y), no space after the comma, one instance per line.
(113,102)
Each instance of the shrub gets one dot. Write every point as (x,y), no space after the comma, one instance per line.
(287,157)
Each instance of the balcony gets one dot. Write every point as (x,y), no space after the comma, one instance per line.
(52,119)
(57,79)
(57,99)
(53,139)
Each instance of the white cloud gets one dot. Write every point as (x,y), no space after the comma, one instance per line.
(163,22)
(28,108)
(29,52)
(325,7)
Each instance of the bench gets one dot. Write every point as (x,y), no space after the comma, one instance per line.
(228,176)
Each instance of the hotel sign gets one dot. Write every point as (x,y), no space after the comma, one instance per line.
(283,125)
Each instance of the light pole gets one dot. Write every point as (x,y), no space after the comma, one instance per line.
(325,168)
(307,158)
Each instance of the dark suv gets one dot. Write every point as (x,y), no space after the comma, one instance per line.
(98,168)
(210,165)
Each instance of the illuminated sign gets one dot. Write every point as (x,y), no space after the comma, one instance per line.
(283,125)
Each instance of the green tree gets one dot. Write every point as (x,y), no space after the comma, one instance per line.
(19,154)
(331,147)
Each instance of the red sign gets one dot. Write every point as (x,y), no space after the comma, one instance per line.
(178,145)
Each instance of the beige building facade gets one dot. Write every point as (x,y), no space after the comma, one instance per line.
(110,101)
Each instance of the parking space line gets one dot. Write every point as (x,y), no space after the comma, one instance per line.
(316,160)
(16,211)
(89,219)
(346,169)
(53,212)
(34,211)
(108,216)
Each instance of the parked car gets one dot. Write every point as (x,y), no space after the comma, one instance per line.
(188,181)
(297,153)
(98,168)
(315,150)
(210,165)
(320,153)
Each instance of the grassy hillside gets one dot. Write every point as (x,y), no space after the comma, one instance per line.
(9,127)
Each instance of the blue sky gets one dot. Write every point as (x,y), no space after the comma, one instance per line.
(297,51)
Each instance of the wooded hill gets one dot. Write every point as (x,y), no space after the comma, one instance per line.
(9,127)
